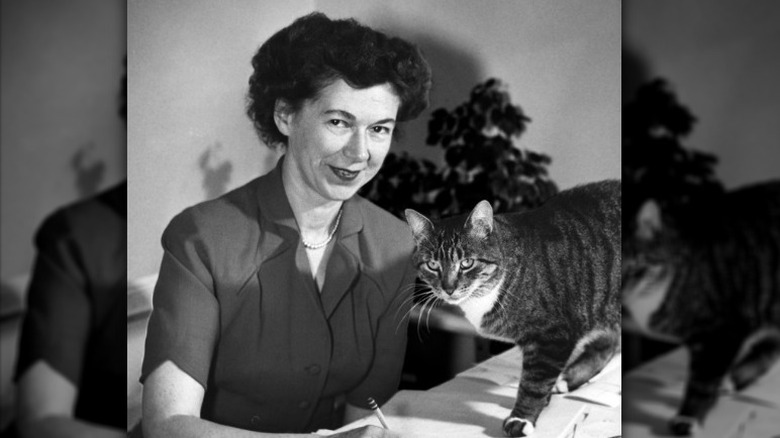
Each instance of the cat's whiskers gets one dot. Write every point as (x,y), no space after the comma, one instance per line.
(425,290)
(411,310)
(408,313)
(427,299)
(436,300)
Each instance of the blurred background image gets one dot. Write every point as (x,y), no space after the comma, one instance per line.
(701,208)
(62,269)
(556,64)
(698,100)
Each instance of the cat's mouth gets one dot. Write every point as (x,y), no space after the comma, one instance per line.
(456,298)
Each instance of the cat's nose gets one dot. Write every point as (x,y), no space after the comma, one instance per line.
(449,290)
(449,283)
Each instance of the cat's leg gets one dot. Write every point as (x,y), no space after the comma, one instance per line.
(596,351)
(758,360)
(542,363)
(711,359)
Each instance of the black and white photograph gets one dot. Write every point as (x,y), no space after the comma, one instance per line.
(701,211)
(339,209)
(408,218)
(63,220)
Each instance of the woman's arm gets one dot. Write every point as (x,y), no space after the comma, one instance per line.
(172,401)
(46,403)
(171,406)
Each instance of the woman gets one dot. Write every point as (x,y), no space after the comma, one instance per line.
(71,354)
(280,306)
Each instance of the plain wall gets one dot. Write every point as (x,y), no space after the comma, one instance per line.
(559,59)
(189,140)
(721,59)
(188,137)
(61,138)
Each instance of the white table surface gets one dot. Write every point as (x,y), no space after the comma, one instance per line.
(654,391)
(475,403)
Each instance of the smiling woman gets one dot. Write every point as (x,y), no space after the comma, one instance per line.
(337,142)
(280,306)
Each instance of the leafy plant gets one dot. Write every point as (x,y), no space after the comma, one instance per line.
(655,162)
(481,161)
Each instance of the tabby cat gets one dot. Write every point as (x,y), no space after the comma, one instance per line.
(708,275)
(547,279)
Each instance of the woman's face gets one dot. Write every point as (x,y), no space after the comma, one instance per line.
(337,142)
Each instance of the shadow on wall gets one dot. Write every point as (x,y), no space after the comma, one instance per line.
(635,68)
(635,72)
(215,169)
(455,73)
(89,171)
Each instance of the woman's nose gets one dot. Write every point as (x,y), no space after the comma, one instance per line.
(357,148)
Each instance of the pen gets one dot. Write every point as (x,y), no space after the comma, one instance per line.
(378,412)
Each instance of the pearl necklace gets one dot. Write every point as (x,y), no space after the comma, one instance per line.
(326,241)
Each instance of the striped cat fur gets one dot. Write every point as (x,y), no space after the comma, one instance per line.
(547,279)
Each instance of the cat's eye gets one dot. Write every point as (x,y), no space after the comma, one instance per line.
(466,264)
(432,265)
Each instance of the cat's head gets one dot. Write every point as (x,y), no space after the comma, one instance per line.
(650,239)
(458,259)
(651,248)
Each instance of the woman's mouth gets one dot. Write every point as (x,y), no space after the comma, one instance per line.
(344,174)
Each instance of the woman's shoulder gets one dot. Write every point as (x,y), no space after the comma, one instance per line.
(85,220)
(382,228)
(229,216)
(375,216)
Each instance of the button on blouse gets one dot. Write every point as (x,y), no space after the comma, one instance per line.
(237,309)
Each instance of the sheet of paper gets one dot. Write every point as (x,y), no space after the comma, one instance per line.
(494,374)
(766,390)
(598,393)
(648,406)
(451,414)
(668,369)
(612,373)
(503,369)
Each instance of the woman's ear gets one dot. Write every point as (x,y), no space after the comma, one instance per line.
(283,116)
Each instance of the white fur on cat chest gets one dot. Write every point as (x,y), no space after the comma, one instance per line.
(475,309)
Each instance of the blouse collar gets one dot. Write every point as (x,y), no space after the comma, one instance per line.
(275,206)
(344,263)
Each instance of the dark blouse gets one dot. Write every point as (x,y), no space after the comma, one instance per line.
(76,312)
(236,308)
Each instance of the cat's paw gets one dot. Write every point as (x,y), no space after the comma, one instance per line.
(728,386)
(516,426)
(684,426)
(561,386)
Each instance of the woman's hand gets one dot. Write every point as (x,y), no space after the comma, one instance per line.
(367,432)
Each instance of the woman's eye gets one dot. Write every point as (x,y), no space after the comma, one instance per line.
(432,265)
(466,263)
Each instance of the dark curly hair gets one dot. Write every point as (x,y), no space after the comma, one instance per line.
(297,62)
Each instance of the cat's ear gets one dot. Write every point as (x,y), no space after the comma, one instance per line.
(648,220)
(480,220)
(421,226)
